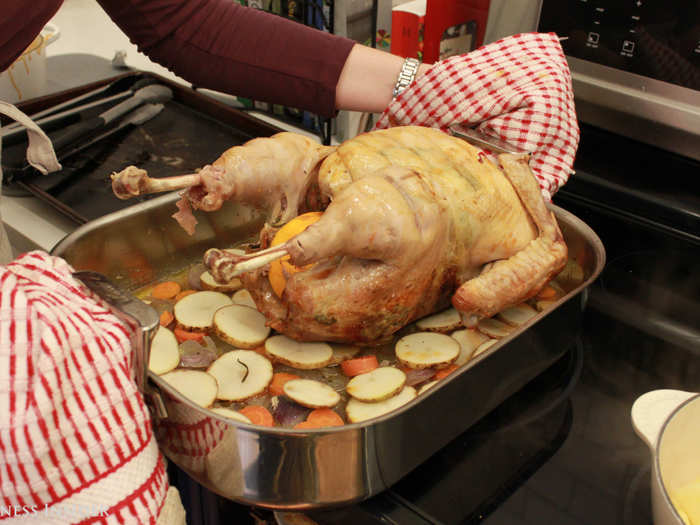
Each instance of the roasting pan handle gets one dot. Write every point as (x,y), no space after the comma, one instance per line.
(145,316)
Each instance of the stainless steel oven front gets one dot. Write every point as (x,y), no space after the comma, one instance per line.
(635,66)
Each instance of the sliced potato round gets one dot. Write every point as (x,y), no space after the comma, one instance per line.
(544,304)
(427,386)
(207,281)
(357,410)
(243,297)
(485,346)
(230,413)
(468,340)
(442,322)
(305,356)
(241,374)
(517,315)
(196,311)
(165,353)
(196,385)
(426,350)
(241,326)
(343,352)
(311,393)
(377,385)
(494,328)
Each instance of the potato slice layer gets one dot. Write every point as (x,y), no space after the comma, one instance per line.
(311,393)
(243,297)
(231,414)
(517,315)
(241,374)
(195,312)
(362,411)
(484,346)
(427,386)
(442,322)
(197,386)
(426,350)
(494,328)
(377,385)
(469,340)
(241,326)
(305,356)
(207,281)
(165,353)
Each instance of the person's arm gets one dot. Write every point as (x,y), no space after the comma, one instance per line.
(221,45)
(368,78)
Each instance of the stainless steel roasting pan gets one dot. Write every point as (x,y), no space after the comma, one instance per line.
(302,469)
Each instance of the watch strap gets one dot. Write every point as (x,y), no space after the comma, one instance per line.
(407,74)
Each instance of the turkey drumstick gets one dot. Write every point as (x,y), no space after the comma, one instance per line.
(273,173)
(389,217)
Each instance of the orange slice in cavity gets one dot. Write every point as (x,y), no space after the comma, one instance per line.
(282,269)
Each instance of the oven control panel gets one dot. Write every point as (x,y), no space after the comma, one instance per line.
(659,39)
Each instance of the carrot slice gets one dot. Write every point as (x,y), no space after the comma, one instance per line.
(165,290)
(166,318)
(258,415)
(276,386)
(184,335)
(184,293)
(325,417)
(444,372)
(359,365)
(548,292)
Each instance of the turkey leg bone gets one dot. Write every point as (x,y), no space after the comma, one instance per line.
(133,181)
(510,281)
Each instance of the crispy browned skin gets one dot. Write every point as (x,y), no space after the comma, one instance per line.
(416,219)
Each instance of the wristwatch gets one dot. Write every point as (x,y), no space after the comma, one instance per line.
(407,75)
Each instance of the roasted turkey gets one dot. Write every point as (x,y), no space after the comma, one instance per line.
(413,220)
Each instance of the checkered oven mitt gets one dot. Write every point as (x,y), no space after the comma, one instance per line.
(517,89)
(76,443)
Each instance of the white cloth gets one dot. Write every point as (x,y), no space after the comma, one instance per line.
(76,442)
(40,154)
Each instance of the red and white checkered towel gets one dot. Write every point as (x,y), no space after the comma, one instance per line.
(517,89)
(76,444)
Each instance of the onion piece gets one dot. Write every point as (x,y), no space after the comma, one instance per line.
(416,376)
(288,413)
(194,276)
(196,355)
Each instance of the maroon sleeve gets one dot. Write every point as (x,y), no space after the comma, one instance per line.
(20,23)
(221,45)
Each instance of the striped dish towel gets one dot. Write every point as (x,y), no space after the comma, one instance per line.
(517,89)
(76,443)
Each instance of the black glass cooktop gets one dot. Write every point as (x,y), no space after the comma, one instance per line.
(563,450)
